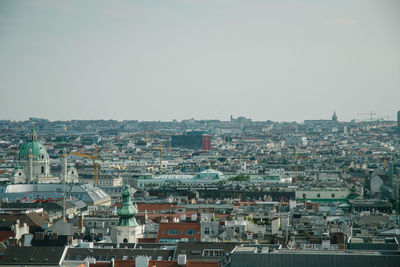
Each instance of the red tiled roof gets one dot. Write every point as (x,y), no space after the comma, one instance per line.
(124,263)
(146,240)
(154,263)
(101,264)
(4,235)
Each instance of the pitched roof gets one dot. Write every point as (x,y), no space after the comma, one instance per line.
(33,256)
(156,263)
(106,254)
(31,219)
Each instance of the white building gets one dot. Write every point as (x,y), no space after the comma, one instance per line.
(322,194)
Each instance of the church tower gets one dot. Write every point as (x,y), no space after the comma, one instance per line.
(127,211)
(334,117)
(127,230)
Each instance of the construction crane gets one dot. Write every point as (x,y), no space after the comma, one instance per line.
(95,158)
(371,114)
(161,149)
(297,158)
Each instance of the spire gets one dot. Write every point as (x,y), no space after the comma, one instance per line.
(33,135)
(334,117)
(127,211)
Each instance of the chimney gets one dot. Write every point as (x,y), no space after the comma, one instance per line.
(141,261)
(12,242)
(80,222)
(53,236)
(39,236)
(182,259)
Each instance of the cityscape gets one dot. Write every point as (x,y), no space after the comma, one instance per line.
(199,133)
(200,192)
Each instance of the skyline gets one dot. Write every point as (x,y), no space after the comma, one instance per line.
(182,59)
(365,119)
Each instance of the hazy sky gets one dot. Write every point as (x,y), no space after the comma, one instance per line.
(203,59)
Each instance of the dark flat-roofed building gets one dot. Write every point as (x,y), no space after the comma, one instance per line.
(253,256)
(33,256)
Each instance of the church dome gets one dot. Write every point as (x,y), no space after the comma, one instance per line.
(33,146)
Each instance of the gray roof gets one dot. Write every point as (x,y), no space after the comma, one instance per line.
(194,250)
(47,206)
(85,192)
(106,254)
(33,256)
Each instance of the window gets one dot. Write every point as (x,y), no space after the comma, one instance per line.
(207,230)
(333,195)
(173,232)
(190,232)
(304,196)
(42,169)
(318,195)
(213,252)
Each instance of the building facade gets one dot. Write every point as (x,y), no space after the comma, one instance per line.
(34,162)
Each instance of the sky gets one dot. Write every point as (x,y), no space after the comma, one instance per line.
(204,59)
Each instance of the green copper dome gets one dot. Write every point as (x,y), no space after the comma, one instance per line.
(33,146)
(127,211)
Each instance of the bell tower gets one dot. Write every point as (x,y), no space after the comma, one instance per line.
(127,230)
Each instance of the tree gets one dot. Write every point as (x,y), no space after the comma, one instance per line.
(240,178)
